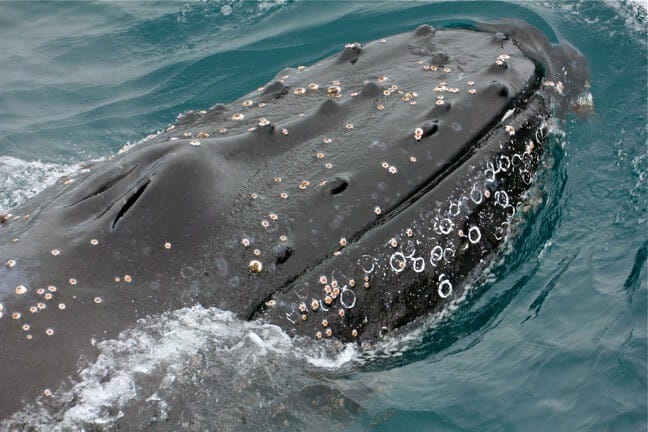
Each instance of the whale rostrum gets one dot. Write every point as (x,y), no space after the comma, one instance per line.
(341,200)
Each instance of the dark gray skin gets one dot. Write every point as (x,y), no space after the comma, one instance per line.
(167,224)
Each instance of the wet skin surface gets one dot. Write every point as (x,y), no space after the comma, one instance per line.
(344,200)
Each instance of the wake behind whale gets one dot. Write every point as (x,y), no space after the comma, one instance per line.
(342,200)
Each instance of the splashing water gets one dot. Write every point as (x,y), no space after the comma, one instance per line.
(178,363)
(22,180)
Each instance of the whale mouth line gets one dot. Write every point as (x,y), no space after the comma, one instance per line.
(417,193)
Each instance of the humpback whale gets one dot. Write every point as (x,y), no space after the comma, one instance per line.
(341,200)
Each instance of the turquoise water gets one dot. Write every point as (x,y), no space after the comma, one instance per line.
(554,339)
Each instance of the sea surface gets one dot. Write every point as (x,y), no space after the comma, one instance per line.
(553,337)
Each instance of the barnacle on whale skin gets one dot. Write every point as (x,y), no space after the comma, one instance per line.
(366,212)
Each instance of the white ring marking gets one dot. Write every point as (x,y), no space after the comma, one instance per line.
(441,292)
(393,257)
(474,235)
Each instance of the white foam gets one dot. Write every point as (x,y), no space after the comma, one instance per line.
(640,3)
(347,355)
(634,12)
(21,180)
(146,363)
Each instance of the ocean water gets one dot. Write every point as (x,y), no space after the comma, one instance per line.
(552,337)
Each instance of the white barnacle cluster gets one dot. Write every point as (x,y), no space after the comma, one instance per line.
(471,90)
(391,169)
(409,97)
(501,59)
(333,302)
(334,91)
(40,299)
(255,266)
(443,87)
(264,122)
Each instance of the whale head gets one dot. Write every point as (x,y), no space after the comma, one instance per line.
(343,199)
